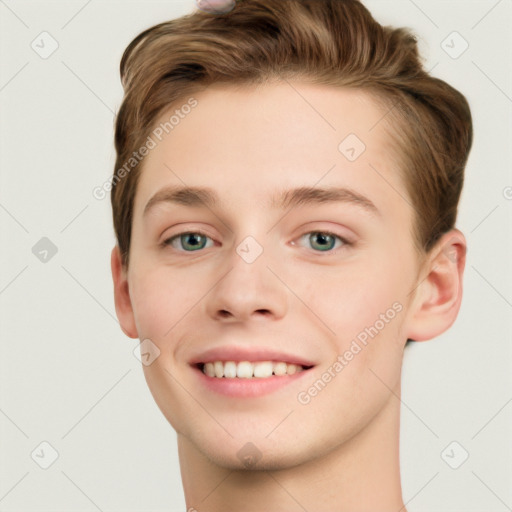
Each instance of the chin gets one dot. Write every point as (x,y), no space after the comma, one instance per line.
(255,459)
(254,453)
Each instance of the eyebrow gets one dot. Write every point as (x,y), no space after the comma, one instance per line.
(207,197)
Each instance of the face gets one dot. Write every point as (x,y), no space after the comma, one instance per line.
(264,270)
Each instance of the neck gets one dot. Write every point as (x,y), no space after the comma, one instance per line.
(361,475)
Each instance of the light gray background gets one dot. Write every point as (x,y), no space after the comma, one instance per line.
(68,374)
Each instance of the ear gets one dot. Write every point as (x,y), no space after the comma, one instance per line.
(122,299)
(439,295)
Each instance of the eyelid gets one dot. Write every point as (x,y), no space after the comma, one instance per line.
(168,239)
(327,232)
(345,241)
(319,227)
(186,230)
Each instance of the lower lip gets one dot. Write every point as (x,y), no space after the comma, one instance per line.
(256,386)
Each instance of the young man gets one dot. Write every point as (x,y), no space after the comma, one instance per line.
(284,201)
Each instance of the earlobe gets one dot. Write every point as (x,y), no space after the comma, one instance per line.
(124,309)
(439,295)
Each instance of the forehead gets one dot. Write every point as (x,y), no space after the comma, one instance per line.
(248,141)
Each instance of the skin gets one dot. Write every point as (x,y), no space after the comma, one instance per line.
(340,451)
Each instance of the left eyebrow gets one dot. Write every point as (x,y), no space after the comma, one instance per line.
(313,195)
(208,198)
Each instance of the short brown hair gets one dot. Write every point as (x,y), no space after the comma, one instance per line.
(331,42)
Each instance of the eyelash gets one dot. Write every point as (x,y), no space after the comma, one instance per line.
(346,243)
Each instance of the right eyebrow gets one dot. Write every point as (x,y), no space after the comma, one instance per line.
(186,196)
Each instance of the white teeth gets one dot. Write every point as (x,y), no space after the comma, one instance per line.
(248,370)
(219,369)
(208,369)
(280,368)
(230,370)
(244,370)
(291,369)
(263,369)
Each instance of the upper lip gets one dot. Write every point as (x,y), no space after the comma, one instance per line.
(251,354)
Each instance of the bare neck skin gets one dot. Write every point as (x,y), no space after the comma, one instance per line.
(361,475)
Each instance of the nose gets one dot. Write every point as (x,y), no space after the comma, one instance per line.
(247,291)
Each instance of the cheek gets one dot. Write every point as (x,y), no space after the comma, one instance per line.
(365,309)
(350,300)
(160,298)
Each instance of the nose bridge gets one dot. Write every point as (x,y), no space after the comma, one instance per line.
(248,287)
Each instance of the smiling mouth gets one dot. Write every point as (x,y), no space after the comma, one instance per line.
(249,370)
